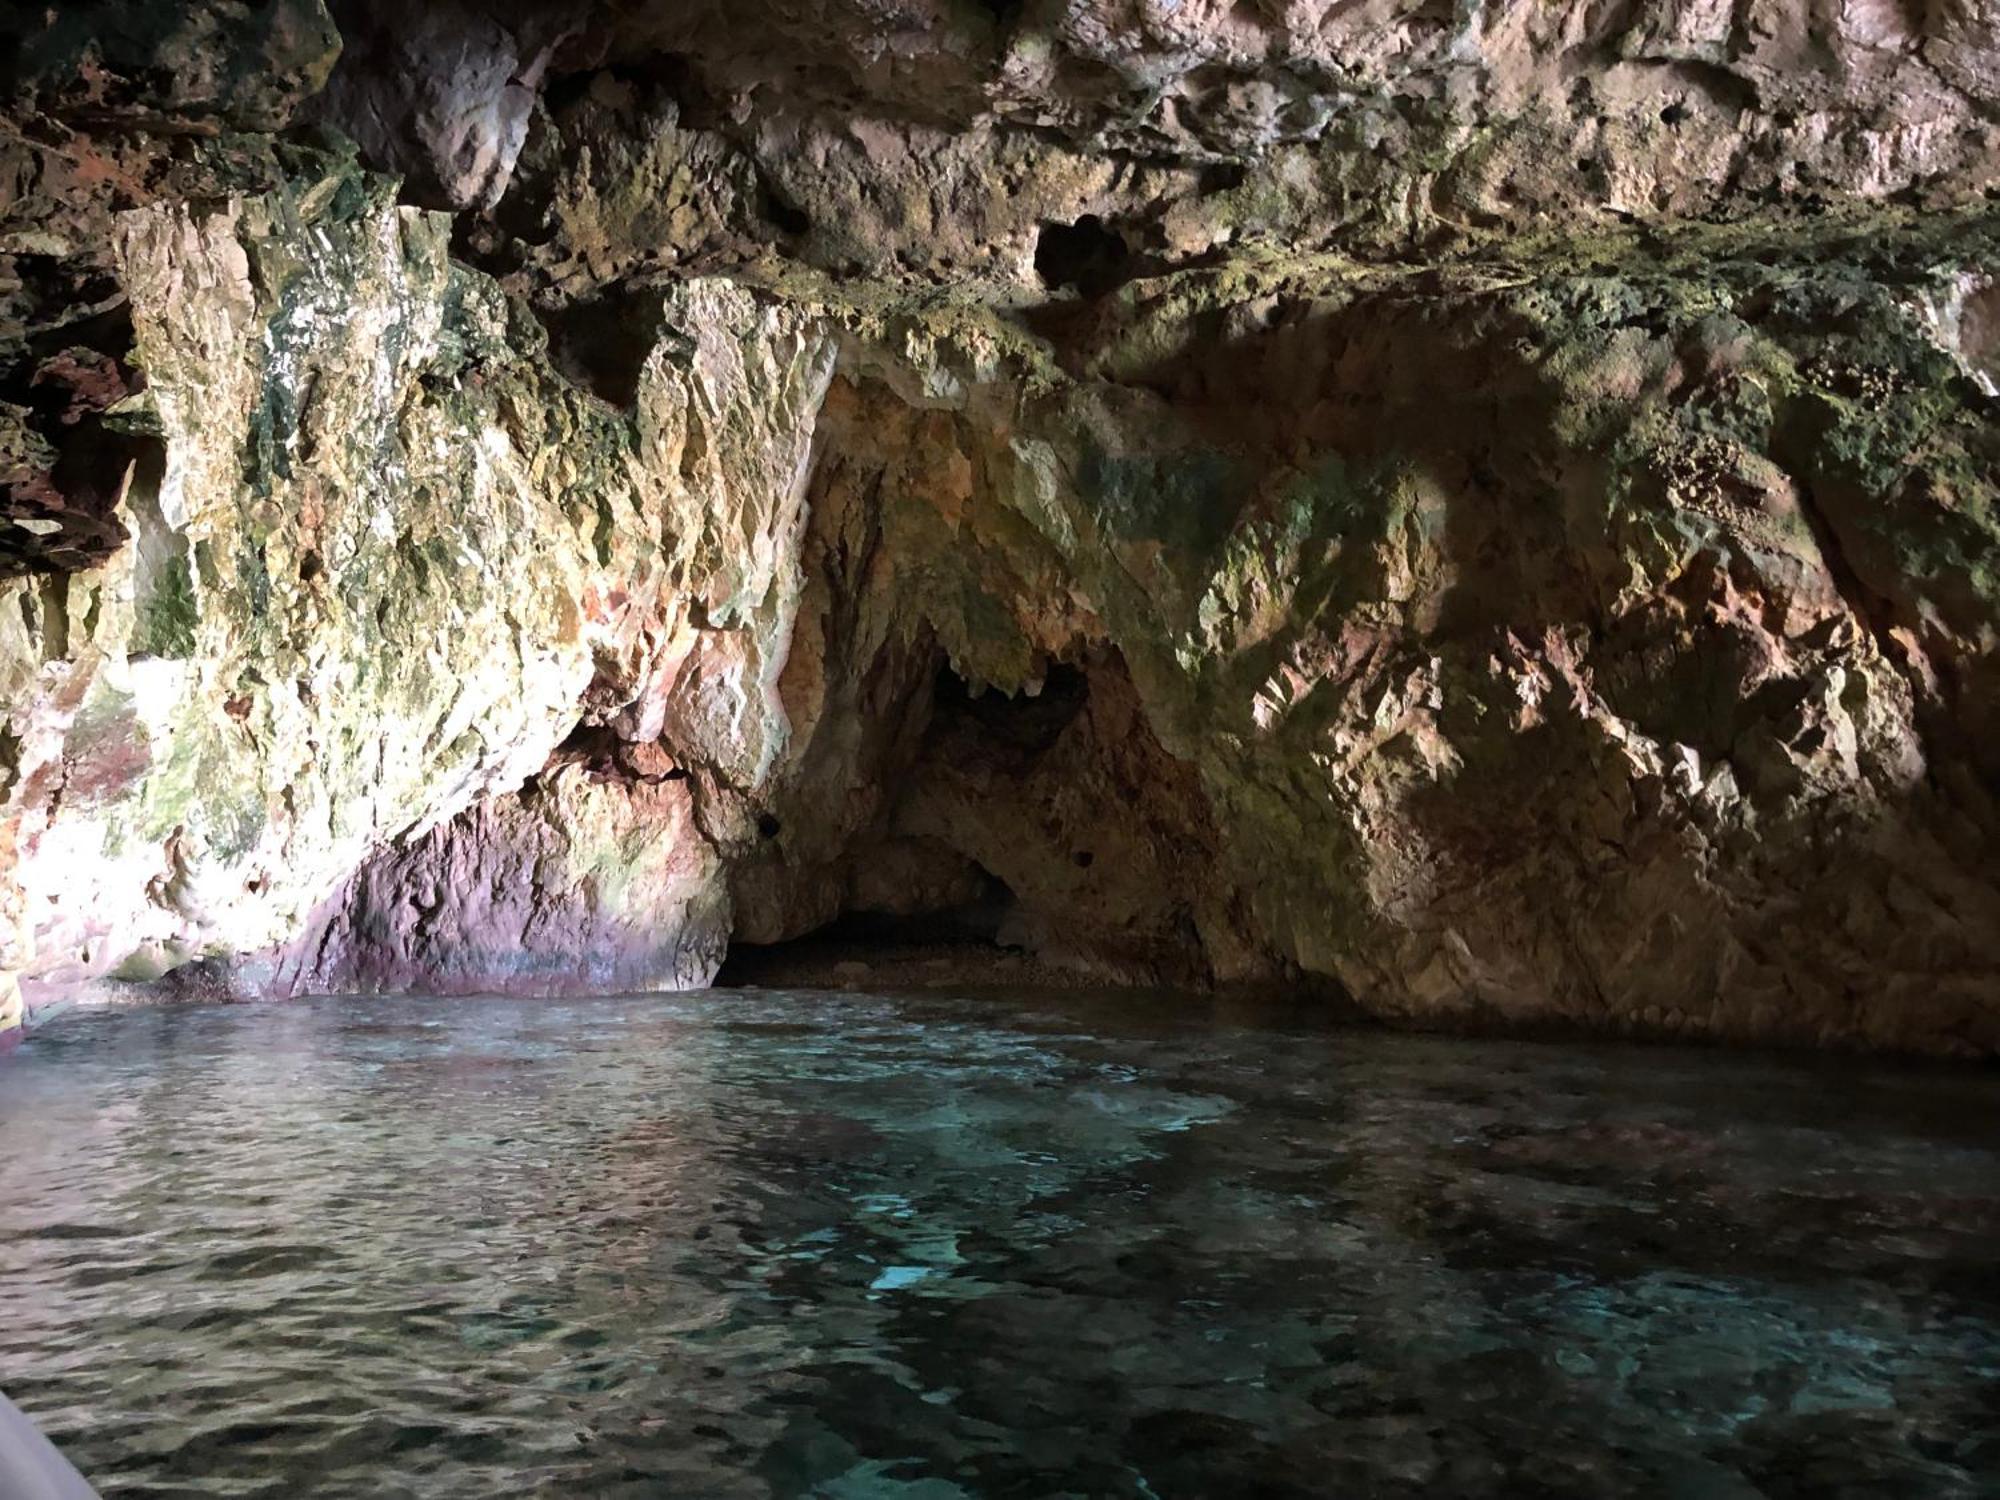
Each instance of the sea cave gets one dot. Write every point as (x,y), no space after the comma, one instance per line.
(1018,748)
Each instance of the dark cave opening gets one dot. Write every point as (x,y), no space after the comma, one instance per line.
(965,937)
(925,908)
(60,495)
(786,216)
(1021,725)
(606,754)
(649,74)
(1088,257)
(1222,177)
(603,344)
(1004,13)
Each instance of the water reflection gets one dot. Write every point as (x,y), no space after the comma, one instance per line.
(776,1245)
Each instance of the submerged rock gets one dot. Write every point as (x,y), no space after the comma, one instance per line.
(1187,499)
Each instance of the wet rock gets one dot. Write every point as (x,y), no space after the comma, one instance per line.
(576,883)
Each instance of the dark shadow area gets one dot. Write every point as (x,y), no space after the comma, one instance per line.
(1222,177)
(1025,835)
(1088,257)
(671,75)
(603,344)
(949,942)
(784,215)
(1004,13)
(606,755)
(1018,726)
(71,457)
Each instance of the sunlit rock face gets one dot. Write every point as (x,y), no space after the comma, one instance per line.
(1486,513)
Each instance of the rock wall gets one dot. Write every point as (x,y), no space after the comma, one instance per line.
(1491,517)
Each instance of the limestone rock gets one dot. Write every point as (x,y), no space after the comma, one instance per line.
(380,563)
(1489,515)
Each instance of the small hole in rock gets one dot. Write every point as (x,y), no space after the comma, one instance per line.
(789,218)
(310,566)
(1221,176)
(767,826)
(1088,256)
(1083,859)
(965,931)
(1002,11)
(603,343)
(1675,113)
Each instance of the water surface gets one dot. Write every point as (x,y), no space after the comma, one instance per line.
(843,1246)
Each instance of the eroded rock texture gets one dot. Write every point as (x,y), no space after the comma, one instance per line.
(1487,512)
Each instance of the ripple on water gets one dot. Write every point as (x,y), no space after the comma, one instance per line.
(847,1246)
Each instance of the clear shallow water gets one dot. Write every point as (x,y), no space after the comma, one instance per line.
(779,1245)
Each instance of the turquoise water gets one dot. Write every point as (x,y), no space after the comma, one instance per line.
(801,1244)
